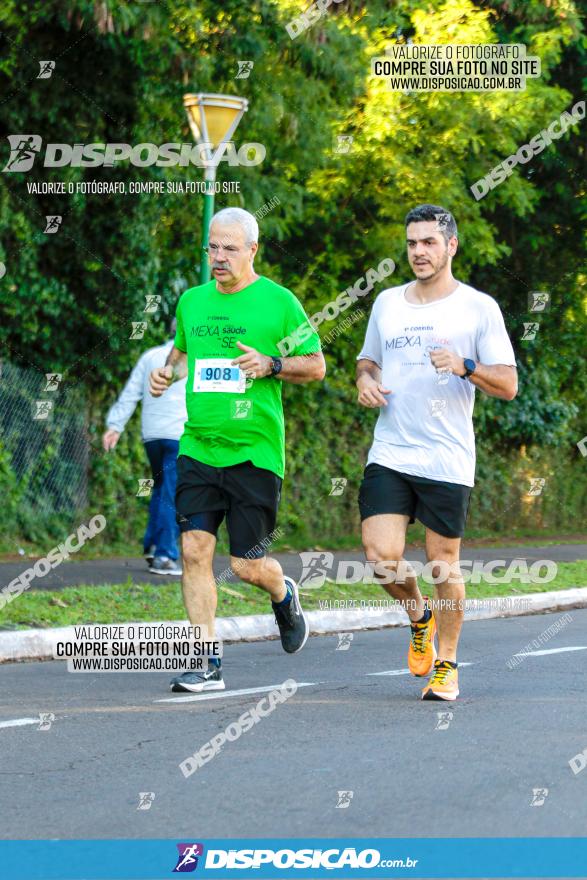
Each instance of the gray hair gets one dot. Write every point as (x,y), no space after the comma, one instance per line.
(246,221)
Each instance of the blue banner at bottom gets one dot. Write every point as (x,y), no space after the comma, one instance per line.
(531,857)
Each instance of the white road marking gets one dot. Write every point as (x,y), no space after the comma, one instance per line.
(217,695)
(243,692)
(551,651)
(406,671)
(20,722)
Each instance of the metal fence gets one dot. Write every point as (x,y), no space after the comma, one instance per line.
(44,447)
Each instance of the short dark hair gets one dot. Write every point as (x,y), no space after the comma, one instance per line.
(446,221)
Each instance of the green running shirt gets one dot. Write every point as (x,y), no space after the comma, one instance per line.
(230,427)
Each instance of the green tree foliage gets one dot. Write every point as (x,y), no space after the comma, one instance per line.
(68,300)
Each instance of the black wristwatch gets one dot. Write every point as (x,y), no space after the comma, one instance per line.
(276,366)
(470,367)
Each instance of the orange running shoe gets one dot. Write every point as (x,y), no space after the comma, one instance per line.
(444,684)
(422,653)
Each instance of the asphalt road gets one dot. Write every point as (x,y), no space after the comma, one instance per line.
(117,570)
(351,729)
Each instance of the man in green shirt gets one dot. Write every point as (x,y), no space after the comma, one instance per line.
(232,453)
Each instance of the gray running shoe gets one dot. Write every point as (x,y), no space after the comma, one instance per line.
(196,682)
(292,623)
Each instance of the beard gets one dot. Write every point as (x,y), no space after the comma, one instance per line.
(436,267)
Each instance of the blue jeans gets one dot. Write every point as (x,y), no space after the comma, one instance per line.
(162,529)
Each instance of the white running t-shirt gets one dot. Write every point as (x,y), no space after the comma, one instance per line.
(426,429)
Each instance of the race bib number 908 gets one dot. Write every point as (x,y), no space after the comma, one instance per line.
(218,374)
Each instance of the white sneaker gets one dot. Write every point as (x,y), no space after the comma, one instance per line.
(163,565)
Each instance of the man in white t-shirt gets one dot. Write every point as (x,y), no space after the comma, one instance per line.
(429,344)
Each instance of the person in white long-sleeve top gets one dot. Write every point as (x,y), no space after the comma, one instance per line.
(162,424)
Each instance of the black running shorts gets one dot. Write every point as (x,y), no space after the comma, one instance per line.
(440,506)
(247,495)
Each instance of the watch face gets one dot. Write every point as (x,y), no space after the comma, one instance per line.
(470,365)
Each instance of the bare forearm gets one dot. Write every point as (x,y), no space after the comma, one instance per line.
(178,360)
(303,368)
(369,368)
(496,380)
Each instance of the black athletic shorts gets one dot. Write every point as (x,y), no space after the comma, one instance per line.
(247,495)
(440,506)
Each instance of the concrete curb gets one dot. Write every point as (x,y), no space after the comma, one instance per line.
(38,644)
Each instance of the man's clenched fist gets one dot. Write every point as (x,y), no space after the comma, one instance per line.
(371,393)
(160,380)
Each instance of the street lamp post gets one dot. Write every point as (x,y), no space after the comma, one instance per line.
(213,119)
